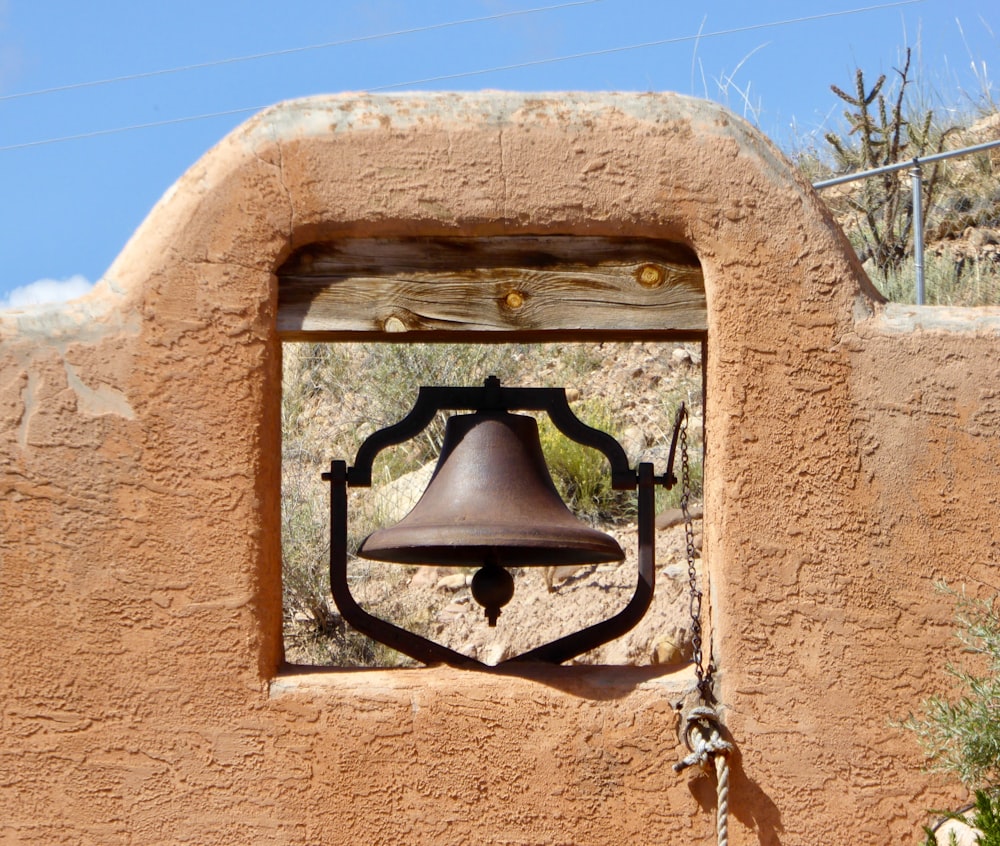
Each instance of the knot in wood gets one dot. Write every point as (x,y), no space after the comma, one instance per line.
(514,300)
(651,276)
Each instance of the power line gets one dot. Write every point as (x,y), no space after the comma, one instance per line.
(659,43)
(73,86)
(115,130)
(497,69)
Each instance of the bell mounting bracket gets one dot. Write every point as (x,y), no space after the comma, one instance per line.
(493,397)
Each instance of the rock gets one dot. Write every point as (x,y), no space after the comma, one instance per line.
(672,649)
(554,575)
(453,610)
(496,652)
(428,576)
(394,499)
(978,238)
(682,356)
(964,834)
(616,653)
(456,581)
(675,516)
(673,589)
(634,441)
(476,643)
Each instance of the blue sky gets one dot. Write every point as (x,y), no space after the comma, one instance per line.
(70,205)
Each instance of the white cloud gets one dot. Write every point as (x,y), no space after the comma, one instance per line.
(47,291)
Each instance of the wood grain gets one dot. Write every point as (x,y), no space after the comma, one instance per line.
(508,284)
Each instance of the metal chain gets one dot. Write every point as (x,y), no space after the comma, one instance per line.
(702,732)
(704,675)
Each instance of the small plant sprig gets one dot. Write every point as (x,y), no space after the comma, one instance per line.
(962,736)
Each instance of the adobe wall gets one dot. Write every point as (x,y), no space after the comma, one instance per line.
(852,461)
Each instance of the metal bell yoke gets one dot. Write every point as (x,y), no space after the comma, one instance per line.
(491,503)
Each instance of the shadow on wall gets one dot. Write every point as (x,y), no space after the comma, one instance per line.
(751,805)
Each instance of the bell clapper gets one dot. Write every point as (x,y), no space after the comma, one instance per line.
(492,587)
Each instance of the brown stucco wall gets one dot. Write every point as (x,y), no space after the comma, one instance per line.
(852,459)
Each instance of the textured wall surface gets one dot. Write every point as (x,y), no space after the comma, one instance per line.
(852,459)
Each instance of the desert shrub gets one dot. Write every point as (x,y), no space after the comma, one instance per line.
(948,281)
(891,121)
(305,549)
(962,735)
(582,474)
(884,128)
(696,468)
(393,373)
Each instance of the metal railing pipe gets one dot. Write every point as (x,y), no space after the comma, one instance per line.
(919,160)
(916,183)
(916,177)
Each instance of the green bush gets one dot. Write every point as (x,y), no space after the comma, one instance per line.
(582,474)
(962,735)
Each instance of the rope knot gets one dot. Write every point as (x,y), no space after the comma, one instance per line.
(703,737)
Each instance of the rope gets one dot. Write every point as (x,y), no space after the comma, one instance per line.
(722,798)
(704,738)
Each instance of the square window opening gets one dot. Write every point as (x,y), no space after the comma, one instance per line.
(336,394)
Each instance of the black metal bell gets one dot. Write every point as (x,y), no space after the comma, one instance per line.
(491,501)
